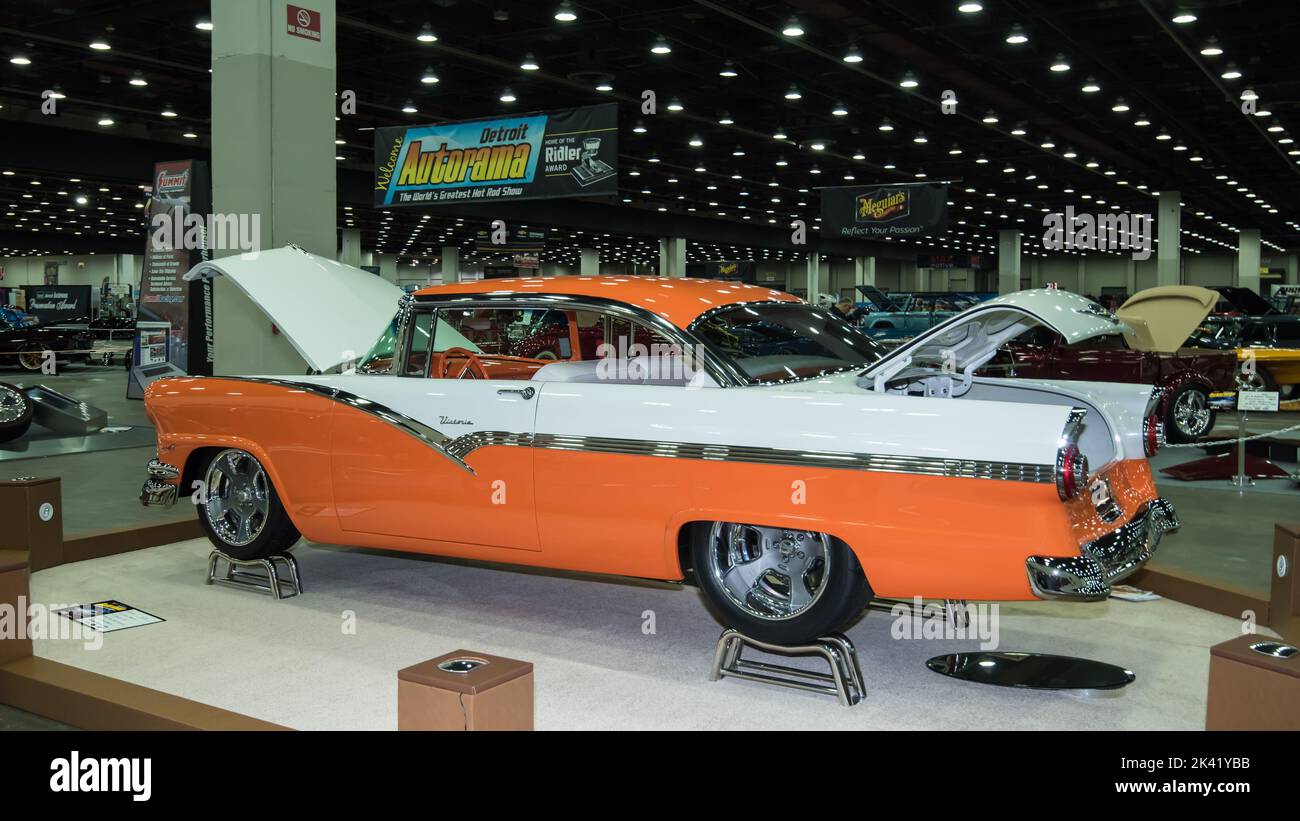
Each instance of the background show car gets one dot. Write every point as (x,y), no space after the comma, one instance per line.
(26,346)
(903,315)
(1266,340)
(1145,349)
(774,453)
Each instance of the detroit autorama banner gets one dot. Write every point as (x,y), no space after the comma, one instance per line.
(567,153)
(869,212)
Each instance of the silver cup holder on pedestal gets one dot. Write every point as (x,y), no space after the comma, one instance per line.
(1275,649)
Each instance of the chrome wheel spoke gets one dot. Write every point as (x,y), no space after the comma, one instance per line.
(239,497)
(768,572)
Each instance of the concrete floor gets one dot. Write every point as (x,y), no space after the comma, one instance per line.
(14,719)
(328,659)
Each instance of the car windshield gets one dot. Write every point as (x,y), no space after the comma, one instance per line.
(783,341)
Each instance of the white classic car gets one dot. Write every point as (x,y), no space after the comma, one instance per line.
(669,428)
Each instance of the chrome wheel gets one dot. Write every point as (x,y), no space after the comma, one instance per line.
(238,498)
(12,405)
(1192,413)
(769,572)
(31,359)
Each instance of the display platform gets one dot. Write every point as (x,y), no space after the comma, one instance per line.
(607,653)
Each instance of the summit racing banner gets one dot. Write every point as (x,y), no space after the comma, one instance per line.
(903,210)
(569,153)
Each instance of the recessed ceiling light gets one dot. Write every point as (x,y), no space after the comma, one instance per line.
(639,128)
(429,77)
(1183,17)
(1120,106)
(1211,48)
(409,108)
(565,13)
(1060,64)
(203,25)
(20,60)
(105,122)
(138,80)
(908,81)
(920,138)
(426,34)
(969,7)
(189,135)
(840,110)
(168,112)
(886,125)
(507,96)
(604,85)
(793,93)
(1019,130)
(792,28)
(1017,35)
(529,63)
(1231,72)
(853,55)
(675,105)
(728,70)
(660,46)
(100,45)
(1090,87)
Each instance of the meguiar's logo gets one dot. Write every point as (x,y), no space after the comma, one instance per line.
(882,205)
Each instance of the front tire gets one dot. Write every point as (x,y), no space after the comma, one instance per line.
(16,411)
(775,584)
(1189,416)
(240,510)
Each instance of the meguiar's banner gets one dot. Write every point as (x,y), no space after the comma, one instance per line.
(568,153)
(871,212)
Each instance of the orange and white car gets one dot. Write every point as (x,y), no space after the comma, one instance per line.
(673,427)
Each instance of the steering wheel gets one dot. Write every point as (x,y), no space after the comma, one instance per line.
(443,364)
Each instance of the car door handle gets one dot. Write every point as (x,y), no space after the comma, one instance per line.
(526,393)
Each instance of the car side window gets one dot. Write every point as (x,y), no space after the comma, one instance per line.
(418,344)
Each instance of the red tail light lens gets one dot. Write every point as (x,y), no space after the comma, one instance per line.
(1153,436)
(1071,471)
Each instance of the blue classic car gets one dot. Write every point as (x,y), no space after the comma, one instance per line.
(904,315)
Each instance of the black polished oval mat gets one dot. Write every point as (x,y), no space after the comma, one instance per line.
(1032,670)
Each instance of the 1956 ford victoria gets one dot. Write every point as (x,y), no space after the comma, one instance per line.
(673,427)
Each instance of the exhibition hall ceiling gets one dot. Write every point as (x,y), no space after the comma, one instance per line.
(1025,106)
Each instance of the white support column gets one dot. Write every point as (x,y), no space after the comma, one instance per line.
(1130,275)
(350,247)
(450,267)
(1248,259)
(864,271)
(588,262)
(907,277)
(672,257)
(1168,253)
(1082,276)
(1292,275)
(1008,260)
(813,274)
(273,107)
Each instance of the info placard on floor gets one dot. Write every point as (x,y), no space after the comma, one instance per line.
(107,616)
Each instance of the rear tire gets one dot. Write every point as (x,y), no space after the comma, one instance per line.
(778,585)
(16,411)
(1188,416)
(240,510)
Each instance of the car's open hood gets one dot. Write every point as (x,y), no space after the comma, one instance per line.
(1160,319)
(968,340)
(330,312)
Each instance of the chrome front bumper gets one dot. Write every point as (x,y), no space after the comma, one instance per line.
(1104,561)
(157,489)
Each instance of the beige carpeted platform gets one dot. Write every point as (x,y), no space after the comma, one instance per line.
(291,662)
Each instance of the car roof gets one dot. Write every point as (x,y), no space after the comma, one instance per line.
(678,300)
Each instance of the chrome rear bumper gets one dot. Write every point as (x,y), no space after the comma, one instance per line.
(1104,561)
(157,489)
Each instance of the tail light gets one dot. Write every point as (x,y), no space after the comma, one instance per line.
(1071,471)
(1071,464)
(1153,435)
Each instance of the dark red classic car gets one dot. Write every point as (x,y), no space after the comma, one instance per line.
(1148,351)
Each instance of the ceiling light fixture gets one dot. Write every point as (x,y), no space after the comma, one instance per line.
(792,28)
(728,70)
(530,63)
(1231,72)
(426,34)
(203,25)
(853,55)
(565,13)
(793,93)
(1090,87)
(1017,35)
(1183,17)
(908,81)
(428,77)
(661,46)
(507,96)
(1060,64)
(1211,48)
(138,80)
(100,45)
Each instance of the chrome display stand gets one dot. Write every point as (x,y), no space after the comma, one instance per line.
(242,573)
(844,680)
(1241,479)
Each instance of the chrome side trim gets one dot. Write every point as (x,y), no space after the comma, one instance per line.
(462,446)
(430,436)
(1105,560)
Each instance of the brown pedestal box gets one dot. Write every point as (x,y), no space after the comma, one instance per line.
(32,512)
(1284,601)
(1250,690)
(496,694)
(14,591)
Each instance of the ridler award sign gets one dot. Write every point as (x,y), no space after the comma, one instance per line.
(875,212)
(568,153)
